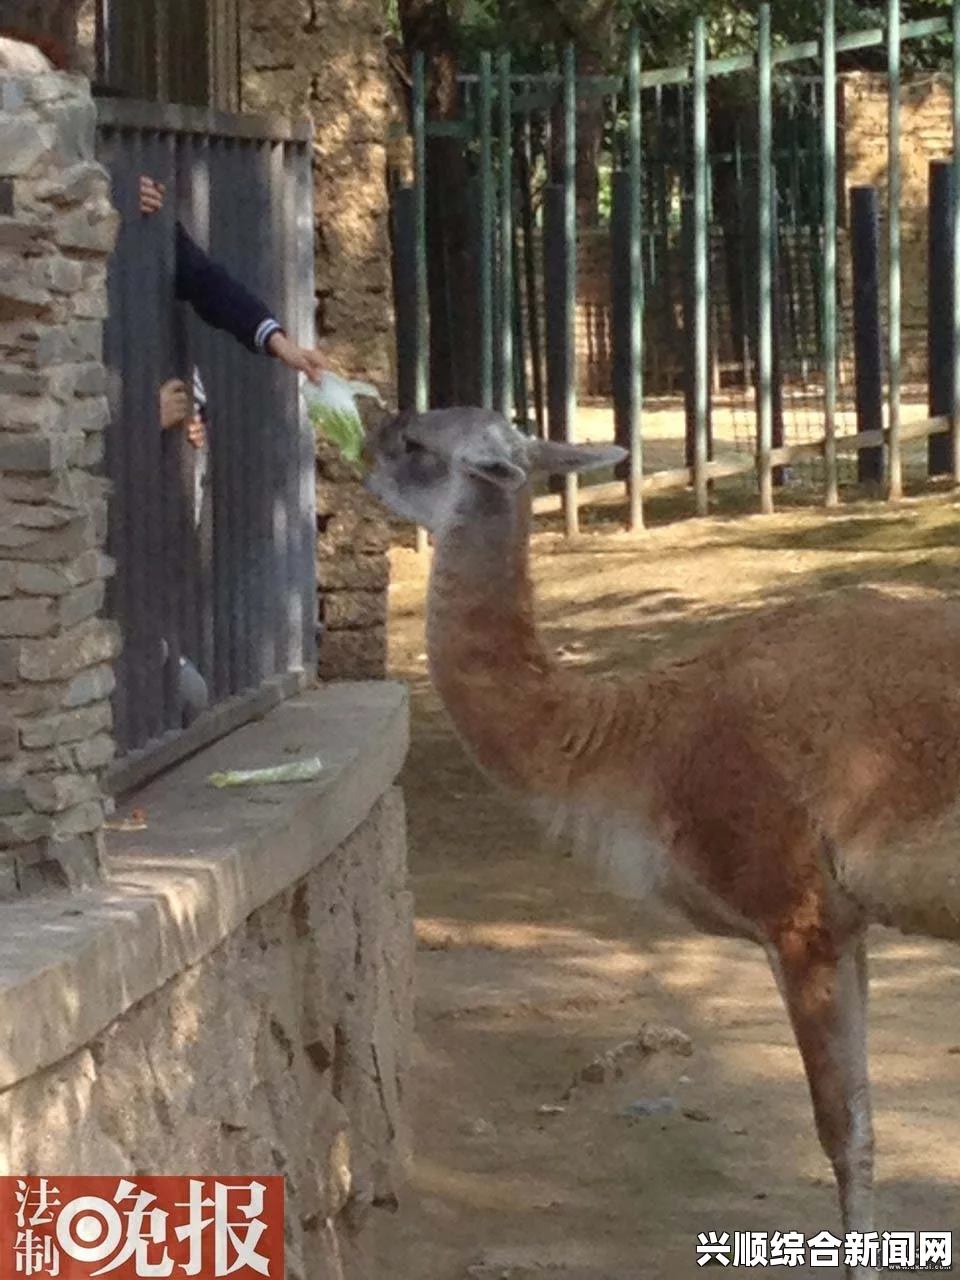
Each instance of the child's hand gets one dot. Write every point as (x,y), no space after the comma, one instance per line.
(174,403)
(151,195)
(197,432)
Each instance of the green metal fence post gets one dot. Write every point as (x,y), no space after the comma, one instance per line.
(831,496)
(571,511)
(634,168)
(765,263)
(955,229)
(422,336)
(486,230)
(701,369)
(894,452)
(506,241)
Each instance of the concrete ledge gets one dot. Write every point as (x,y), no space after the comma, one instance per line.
(207,859)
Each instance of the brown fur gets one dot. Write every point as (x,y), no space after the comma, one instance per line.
(796,778)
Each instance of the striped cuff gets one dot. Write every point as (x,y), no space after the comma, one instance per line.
(265,330)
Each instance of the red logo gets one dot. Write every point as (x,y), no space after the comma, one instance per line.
(131,1228)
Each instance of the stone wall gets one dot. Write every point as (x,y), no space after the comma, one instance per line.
(927,134)
(236,998)
(326,60)
(353,573)
(57,229)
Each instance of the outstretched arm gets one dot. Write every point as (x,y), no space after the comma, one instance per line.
(219,299)
(225,303)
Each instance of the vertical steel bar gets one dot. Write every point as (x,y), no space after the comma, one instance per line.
(894,454)
(421,379)
(283,392)
(831,495)
(530,272)
(765,264)
(216,379)
(955,239)
(506,240)
(306,325)
(111,153)
(868,342)
(701,368)
(486,230)
(940,306)
(571,512)
(635,171)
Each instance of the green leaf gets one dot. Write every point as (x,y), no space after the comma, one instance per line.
(344,429)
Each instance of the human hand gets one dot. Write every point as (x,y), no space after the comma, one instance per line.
(151,195)
(174,403)
(197,432)
(304,360)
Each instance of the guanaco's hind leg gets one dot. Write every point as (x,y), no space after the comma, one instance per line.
(824,988)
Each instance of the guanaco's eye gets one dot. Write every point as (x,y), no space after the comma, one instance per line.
(411,446)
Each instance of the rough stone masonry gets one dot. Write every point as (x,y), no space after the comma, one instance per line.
(57,229)
(326,60)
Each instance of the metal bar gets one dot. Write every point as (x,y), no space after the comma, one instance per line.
(571,514)
(305,312)
(701,370)
(831,494)
(894,455)
(486,231)
(197,204)
(868,344)
(284,389)
(765,263)
(117,349)
(258,487)
(422,371)
(635,236)
(530,272)
(955,241)
(405,293)
(166,117)
(215,384)
(940,309)
(802,51)
(506,242)
(146,511)
(420,241)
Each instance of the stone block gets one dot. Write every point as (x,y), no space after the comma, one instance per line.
(68,727)
(82,603)
(354,610)
(353,655)
(95,753)
(23,829)
(55,792)
(27,616)
(344,572)
(92,643)
(93,685)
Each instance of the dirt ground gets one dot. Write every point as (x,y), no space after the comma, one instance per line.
(526,972)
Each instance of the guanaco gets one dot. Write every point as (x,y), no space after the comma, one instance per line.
(776,785)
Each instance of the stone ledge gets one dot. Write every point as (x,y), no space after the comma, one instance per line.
(70,965)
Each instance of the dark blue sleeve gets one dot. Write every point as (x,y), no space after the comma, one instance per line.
(217,298)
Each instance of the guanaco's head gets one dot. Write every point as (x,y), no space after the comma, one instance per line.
(426,466)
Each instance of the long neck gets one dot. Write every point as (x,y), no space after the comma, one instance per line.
(534,726)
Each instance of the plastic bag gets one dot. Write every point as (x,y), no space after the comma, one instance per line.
(332,409)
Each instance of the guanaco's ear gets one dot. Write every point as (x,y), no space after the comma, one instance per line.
(497,471)
(551,457)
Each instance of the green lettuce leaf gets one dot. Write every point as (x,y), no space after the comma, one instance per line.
(344,429)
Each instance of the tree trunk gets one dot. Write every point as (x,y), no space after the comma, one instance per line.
(427,26)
